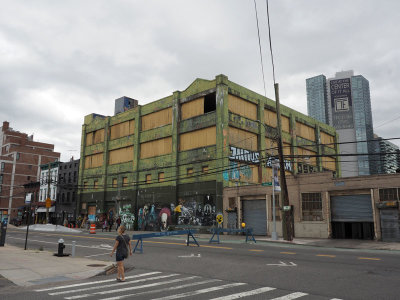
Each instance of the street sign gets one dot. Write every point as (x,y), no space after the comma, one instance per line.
(266,183)
(48,203)
(220,218)
(28,198)
(286,208)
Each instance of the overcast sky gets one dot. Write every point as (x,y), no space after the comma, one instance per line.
(62,60)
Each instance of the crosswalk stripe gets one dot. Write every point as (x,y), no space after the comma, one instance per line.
(111,285)
(131,288)
(291,296)
(203,291)
(245,294)
(173,288)
(92,282)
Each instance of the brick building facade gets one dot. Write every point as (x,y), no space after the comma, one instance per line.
(20,160)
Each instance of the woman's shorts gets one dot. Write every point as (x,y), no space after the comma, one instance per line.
(119,257)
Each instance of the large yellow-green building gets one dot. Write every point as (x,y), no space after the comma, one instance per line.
(168,162)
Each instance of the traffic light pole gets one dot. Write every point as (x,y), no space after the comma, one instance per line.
(286,220)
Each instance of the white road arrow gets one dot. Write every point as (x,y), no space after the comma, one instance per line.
(283,264)
(191,255)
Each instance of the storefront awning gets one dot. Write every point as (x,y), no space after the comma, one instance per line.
(43,209)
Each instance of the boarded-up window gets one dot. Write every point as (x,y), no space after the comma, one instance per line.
(270,118)
(286,150)
(192,108)
(85,185)
(327,139)
(329,163)
(120,155)
(199,138)
(271,146)
(306,156)
(95,184)
(89,139)
(157,119)
(204,169)
(98,136)
(122,129)
(305,131)
(189,172)
(161,177)
(124,181)
(94,161)
(114,182)
(243,139)
(285,124)
(148,178)
(242,107)
(156,148)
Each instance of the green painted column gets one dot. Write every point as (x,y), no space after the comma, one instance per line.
(105,165)
(222,134)
(174,170)
(136,159)
(262,146)
(319,147)
(293,135)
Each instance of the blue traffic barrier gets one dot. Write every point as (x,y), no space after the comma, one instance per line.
(140,237)
(217,231)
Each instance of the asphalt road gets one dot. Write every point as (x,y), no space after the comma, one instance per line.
(267,270)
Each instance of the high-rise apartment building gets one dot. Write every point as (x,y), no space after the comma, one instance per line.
(344,102)
(20,160)
(388,159)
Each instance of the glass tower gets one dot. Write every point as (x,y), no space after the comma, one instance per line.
(344,102)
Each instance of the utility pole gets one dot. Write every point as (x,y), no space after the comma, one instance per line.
(286,220)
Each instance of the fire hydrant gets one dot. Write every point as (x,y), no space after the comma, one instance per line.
(61,247)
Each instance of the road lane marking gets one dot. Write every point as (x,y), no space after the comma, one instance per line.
(92,282)
(203,291)
(130,288)
(291,296)
(108,253)
(291,253)
(283,264)
(112,285)
(326,255)
(173,288)
(245,294)
(369,258)
(256,250)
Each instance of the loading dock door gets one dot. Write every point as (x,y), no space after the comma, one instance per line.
(255,215)
(352,217)
(390,225)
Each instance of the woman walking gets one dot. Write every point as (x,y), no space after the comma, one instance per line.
(123,247)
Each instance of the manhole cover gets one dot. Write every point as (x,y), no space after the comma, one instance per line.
(96,265)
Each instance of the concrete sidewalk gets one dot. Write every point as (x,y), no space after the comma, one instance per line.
(30,267)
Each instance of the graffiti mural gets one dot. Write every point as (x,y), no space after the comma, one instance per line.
(155,217)
(127,218)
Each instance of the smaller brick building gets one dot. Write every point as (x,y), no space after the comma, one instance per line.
(20,160)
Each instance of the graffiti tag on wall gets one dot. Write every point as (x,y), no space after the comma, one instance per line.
(127,218)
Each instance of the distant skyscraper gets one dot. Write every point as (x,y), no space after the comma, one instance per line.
(388,159)
(344,102)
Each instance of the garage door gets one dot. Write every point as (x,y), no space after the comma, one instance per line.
(390,225)
(255,215)
(351,208)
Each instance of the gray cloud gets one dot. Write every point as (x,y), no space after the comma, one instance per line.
(61,60)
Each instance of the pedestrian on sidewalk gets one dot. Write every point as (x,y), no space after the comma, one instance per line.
(118,222)
(111,223)
(123,247)
(104,225)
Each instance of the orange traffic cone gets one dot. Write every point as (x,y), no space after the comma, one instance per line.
(92,229)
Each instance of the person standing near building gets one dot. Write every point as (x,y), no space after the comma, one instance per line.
(111,223)
(118,222)
(123,247)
